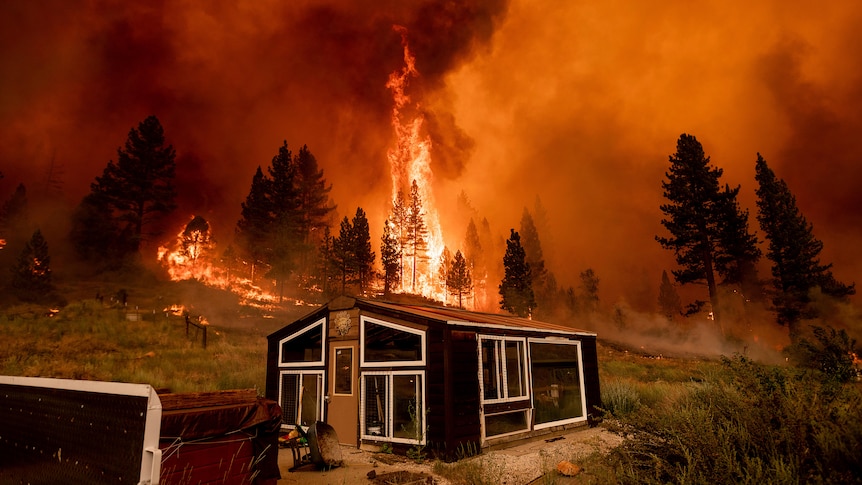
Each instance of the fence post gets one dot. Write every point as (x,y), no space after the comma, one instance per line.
(205,336)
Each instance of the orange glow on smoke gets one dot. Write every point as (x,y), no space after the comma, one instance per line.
(410,160)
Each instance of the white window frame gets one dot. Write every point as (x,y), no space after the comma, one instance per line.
(526,429)
(321,382)
(554,341)
(503,372)
(335,370)
(390,399)
(394,326)
(322,324)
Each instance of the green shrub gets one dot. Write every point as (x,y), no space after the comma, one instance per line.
(749,424)
(620,398)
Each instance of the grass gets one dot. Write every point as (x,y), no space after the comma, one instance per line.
(686,420)
(86,340)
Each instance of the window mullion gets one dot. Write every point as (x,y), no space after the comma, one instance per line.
(504,375)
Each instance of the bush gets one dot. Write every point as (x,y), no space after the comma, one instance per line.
(751,424)
(620,398)
(830,353)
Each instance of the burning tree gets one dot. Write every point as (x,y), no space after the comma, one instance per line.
(188,256)
(793,250)
(417,233)
(31,276)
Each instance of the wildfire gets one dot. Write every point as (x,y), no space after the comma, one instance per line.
(410,160)
(191,256)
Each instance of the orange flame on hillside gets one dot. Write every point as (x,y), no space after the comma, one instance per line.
(191,256)
(410,160)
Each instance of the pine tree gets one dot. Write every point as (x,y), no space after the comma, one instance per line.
(315,207)
(443,272)
(326,262)
(692,191)
(793,250)
(458,280)
(589,294)
(31,276)
(390,257)
(363,256)
(535,258)
(668,299)
(737,252)
(515,289)
(284,237)
(417,232)
(140,185)
(253,228)
(342,253)
(398,218)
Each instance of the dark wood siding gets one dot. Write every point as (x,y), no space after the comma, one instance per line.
(591,375)
(463,400)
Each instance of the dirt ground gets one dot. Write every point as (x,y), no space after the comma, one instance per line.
(516,465)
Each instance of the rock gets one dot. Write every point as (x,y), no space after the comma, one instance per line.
(568,469)
(372,475)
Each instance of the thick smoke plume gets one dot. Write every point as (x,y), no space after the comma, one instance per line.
(579,103)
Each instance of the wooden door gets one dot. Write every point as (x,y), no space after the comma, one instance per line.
(343,390)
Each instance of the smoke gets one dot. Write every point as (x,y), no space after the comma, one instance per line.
(579,103)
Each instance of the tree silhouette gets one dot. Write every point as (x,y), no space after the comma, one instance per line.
(140,185)
(31,276)
(515,289)
(390,257)
(196,238)
(696,211)
(363,256)
(793,250)
(417,232)
(458,281)
(253,228)
(589,294)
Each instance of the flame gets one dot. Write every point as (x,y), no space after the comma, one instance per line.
(410,160)
(192,256)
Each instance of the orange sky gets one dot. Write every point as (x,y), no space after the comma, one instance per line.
(579,103)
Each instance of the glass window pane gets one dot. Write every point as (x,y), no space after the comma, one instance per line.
(310,399)
(407,406)
(497,424)
(375,405)
(305,347)
(556,382)
(386,344)
(290,397)
(490,370)
(343,371)
(515,369)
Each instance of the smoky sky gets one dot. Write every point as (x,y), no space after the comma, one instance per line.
(577,103)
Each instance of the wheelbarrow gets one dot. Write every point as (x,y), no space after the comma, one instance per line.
(323,445)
